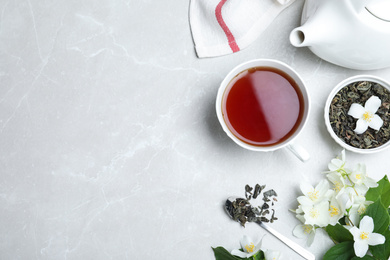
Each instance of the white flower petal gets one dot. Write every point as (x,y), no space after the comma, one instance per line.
(362,189)
(345,198)
(370,183)
(337,180)
(322,187)
(238,253)
(360,248)
(354,231)
(366,224)
(335,211)
(310,239)
(329,194)
(272,255)
(358,174)
(306,188)
(361,126)
(245,241)
(305,201)
(332,167)
(354,216)
(336,164)
(302,231)
(301,217)
(298,231)
(376,122)
(324,218)
(258,245)
(372,104)
(317,214)
(283,2)
(298,210)
(342,155)
(375,239)
(356,110)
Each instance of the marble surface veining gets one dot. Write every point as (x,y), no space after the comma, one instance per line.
(110,147)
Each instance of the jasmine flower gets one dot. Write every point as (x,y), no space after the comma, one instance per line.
(304,230)
(364,236)
(337,164)
(366,115)
(359,177)
(314,195)
(248,247)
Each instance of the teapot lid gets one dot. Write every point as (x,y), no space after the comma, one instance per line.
(380,9)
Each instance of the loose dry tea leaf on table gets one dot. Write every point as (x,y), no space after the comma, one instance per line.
(242,211)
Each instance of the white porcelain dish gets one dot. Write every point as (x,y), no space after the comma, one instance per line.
(341,85)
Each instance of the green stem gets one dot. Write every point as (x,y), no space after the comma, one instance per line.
(345,174)
(350,221)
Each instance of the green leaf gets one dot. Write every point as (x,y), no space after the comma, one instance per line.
(382,191)
(342,221)
(221,253)
(342,251)
(382,251)
(339,233)
(259,256)
(380,216)
(366,257)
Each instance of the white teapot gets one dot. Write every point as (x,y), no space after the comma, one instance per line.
(350,33)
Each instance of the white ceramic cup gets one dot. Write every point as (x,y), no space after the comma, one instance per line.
(300,152)
(339,86)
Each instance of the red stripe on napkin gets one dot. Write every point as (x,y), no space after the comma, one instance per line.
(218,13)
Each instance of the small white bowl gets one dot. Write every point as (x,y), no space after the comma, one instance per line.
(341,85)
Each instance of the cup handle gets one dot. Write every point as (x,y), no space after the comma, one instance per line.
(299,152)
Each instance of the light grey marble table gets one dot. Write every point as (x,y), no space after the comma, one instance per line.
(110,147)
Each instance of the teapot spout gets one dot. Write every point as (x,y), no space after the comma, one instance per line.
(300,37)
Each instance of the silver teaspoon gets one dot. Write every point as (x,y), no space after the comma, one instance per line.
(294,246)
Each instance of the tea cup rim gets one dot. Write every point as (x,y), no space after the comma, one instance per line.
(335,90)
(273,63)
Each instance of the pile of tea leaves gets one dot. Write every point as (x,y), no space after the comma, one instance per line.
(343,125)
(242,211)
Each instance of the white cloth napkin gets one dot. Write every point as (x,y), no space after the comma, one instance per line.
(220,27)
